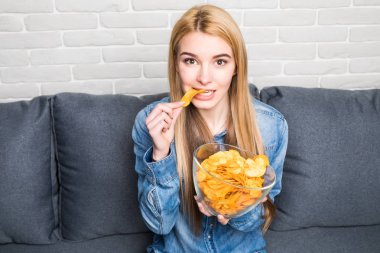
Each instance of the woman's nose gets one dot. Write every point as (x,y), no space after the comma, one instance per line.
(204,75)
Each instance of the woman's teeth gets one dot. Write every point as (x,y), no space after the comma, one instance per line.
(207,93)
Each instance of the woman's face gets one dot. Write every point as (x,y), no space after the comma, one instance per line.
(206,62)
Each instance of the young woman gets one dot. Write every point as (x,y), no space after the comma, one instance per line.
(206,52)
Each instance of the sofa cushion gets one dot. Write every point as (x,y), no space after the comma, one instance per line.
(96,165)
(28,187)
(130,243)
(363,239)
(332,169)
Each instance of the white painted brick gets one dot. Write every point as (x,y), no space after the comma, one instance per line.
(10,24)
(98,38)
(315,67)
(95,87)
(142,86)
(142,5)
(134,20)
(18,91)
(155,70)
(367,33)
(280,18)
(144,53)
(256,68)
(36,74)
(65,56)
(351,81)
(347,16)
(367,2)
(26,6)
(10,58)
(312,4)
(313,34)
(174,17)
(91,5)
(30,40)
(365,65)
(47,22)
(298,81)
(352,50)
(106,71)
(244,4)
(237,16)
(259,35)
(281,52)
(154,37)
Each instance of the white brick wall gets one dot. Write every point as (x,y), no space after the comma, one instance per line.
(121,46)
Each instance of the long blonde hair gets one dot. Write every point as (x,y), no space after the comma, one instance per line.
(191,130)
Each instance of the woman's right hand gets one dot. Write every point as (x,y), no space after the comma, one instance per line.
(160,123)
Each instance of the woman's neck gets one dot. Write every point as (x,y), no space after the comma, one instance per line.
(216,120)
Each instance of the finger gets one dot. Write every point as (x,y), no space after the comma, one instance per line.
(177,104)
(168,107)
(204,209)
(162,107)
(201,207)
(162,119)
(264,199)
(160,126)
(176,113)
(222,220)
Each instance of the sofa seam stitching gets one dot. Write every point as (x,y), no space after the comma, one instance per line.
(58,169)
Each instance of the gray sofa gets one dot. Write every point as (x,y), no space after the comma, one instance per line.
(67,180)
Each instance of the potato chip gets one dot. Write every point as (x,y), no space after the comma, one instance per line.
(262,160)
(189,96)
(254,169)
(229,167)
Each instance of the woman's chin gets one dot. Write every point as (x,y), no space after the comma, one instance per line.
(203,105)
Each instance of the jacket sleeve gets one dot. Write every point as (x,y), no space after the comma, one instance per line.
(278,159)
(158,183)
(254,219)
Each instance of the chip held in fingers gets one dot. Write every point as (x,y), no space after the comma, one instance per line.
(189,96)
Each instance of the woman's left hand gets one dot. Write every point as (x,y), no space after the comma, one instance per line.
(223,220)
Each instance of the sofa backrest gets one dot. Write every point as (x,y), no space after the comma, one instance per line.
(28,182)
(332,169)
(67,168)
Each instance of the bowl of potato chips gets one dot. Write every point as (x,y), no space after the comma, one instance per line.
(230,181)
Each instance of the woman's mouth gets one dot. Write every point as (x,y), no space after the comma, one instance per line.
(208,94)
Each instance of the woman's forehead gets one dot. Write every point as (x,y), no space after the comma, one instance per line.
(200,43)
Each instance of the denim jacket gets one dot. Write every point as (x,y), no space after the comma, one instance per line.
(159,200)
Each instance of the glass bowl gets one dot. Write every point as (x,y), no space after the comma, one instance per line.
(223,185)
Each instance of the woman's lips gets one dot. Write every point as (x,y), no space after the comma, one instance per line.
(208,95)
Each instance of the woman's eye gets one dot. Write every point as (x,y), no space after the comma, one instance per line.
(220,62)
(190,61)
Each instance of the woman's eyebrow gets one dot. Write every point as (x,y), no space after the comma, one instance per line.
(222,55)
(215,56)
(187,53)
